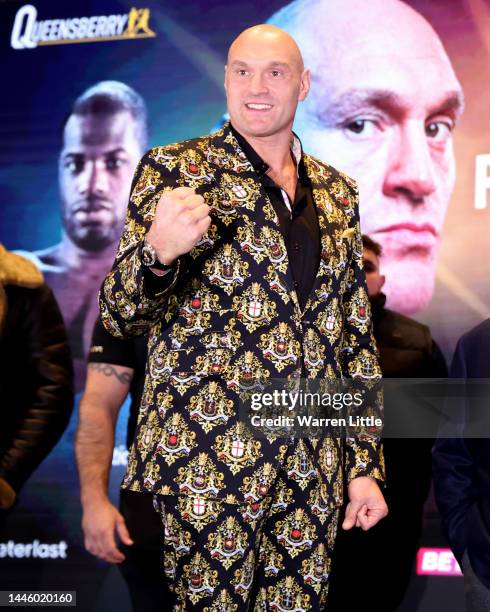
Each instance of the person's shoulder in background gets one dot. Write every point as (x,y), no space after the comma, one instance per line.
(472,354)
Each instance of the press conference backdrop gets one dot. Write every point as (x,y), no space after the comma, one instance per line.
(173,53)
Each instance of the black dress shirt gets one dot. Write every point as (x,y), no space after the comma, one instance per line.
(299,226)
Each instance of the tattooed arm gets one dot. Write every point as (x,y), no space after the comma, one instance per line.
(107,387)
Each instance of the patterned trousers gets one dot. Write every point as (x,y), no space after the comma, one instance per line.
(272,554)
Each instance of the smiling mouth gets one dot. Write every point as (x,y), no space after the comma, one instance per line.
(257,106)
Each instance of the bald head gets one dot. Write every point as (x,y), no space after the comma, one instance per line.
(325,28)
(264,81)
(266,40)
(383,106)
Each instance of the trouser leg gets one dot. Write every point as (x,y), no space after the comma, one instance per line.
(210,553)
(296,550)
(142,568)
(272,553)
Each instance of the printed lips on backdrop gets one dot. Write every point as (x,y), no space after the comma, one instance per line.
(173,55)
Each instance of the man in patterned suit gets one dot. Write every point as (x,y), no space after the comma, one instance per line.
(242,260)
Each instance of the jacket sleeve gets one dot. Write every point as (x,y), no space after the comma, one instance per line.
(453,471)
(364,456)
(44,420)
(132,299)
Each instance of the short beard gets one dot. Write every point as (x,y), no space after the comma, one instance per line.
(93,240)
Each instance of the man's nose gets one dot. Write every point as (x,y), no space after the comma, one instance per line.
(257,84)
(410,171)
(93,180)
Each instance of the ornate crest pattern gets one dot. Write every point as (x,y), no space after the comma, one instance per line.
(210,406)
(253,308)
(213,558)
(227,269)
(237,448)
(280,346)
(296,533)
(230,316)
(200,476)
(228,543)
(176,439)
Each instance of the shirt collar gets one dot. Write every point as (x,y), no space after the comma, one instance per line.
(259,165)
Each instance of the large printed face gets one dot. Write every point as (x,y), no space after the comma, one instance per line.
(264,81)
(96,167)
(383,105)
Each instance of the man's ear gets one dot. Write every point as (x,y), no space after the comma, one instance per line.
(304,85)
(382,280)
(226,71)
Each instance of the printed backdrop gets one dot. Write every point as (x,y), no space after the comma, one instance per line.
(172,54)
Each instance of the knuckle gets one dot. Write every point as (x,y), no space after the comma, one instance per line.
(186,217)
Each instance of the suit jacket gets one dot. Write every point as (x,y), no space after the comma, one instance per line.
(230,320)
(461,466)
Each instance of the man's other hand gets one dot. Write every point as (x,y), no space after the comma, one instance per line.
(366,504)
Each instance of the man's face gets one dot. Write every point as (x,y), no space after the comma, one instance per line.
(374,279)
(264,81)
(382,108)
(95,171)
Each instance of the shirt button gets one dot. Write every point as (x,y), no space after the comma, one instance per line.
(296,246)
(295,284)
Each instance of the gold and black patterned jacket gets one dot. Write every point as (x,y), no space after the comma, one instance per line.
(231,320)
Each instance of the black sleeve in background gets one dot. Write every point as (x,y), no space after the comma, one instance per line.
(453,474)
(130,353)
(104,348)
(45,419)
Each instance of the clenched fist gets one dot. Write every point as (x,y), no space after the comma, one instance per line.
(366,505)
(181,219)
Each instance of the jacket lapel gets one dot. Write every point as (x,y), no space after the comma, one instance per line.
(239,196)
(333,223)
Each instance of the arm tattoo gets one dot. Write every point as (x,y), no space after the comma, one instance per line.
(108,370)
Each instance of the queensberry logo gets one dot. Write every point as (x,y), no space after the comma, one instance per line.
(28,32)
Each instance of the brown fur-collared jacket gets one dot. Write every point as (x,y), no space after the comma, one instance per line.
(36,377)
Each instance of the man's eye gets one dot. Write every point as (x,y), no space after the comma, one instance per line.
(75,166)
(362,128)
(242,72)
(358,126)
(438,130)
(275,73)
(113,163)
(368,266)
